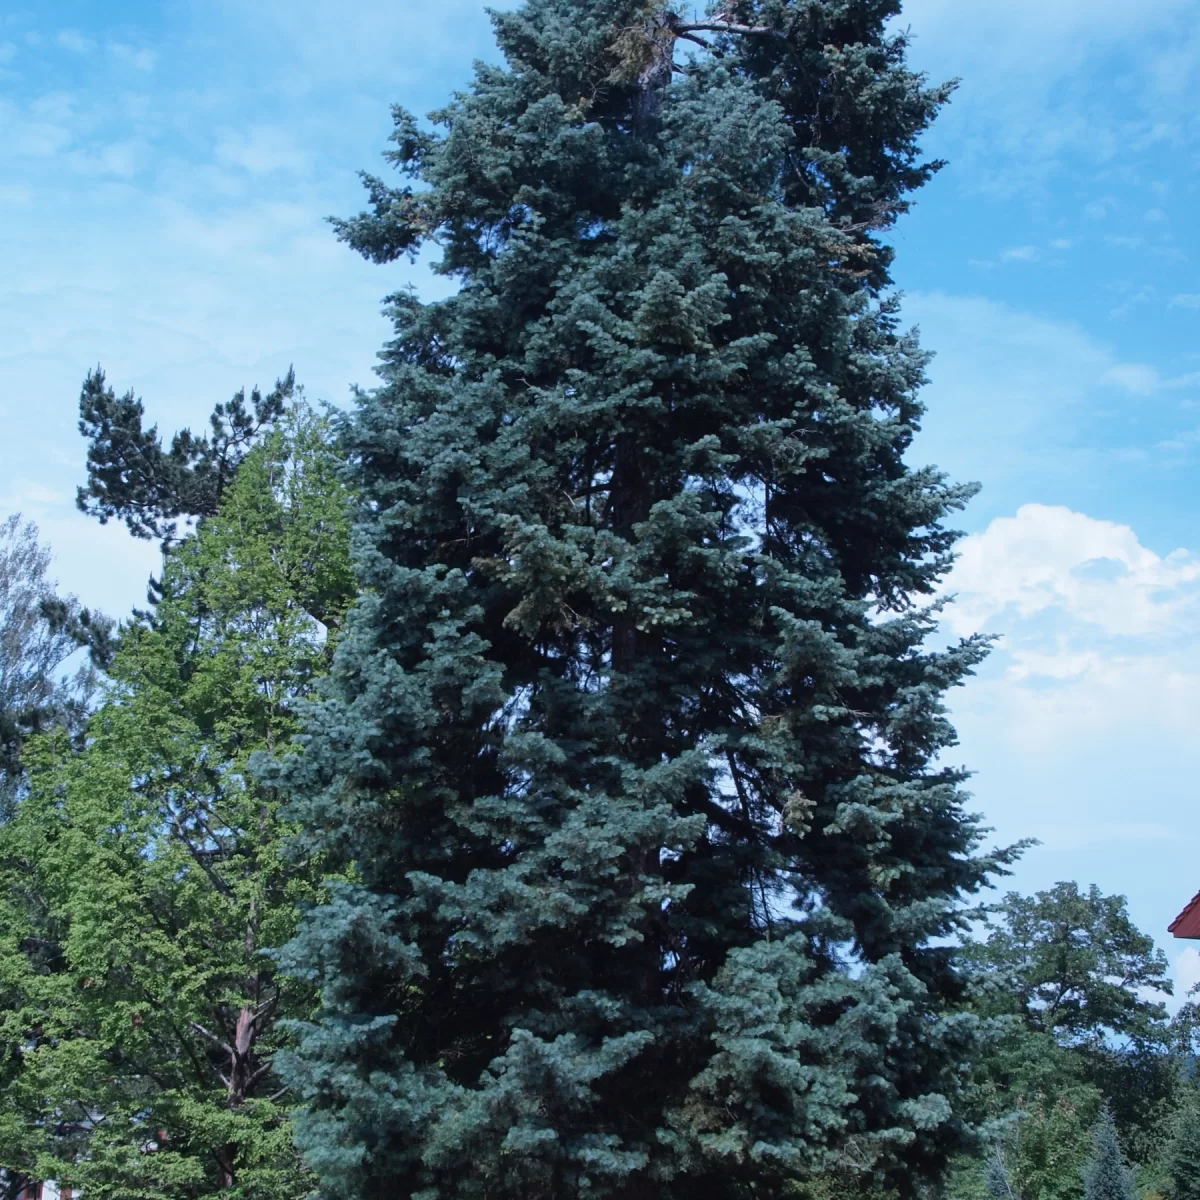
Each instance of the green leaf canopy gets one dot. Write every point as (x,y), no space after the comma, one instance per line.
(144,876)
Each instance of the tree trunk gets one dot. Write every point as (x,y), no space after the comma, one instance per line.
(655,76)
(630,503)
(241,1078)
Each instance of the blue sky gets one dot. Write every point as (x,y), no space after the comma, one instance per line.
(168,167)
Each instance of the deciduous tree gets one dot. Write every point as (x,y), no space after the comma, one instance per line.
(39,632)
(141,1029)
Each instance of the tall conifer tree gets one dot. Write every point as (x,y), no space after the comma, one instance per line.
(632,745)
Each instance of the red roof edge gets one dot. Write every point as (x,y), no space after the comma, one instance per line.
(1187,924)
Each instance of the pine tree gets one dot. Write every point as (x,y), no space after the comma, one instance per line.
(1183,1154)
(632,745)
(1106,1176)
(131,476)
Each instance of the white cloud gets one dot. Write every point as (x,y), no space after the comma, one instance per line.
(1099,655)
(261,150)
(1020,254)
(1081,725)
(140,58)
(1095,575)
(1185,968)
(1186,300)
(73,41)
(7,52)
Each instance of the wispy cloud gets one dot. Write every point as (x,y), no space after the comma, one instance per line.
(141,58)
(262,150)
(1011,392)
(1038,101)
(1138,378)
(1021,254)
(73,41)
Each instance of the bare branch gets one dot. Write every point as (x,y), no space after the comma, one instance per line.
(718,26)
(259,1073)
(212,1037)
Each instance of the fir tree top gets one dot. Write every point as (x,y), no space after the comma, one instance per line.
(1107,1177)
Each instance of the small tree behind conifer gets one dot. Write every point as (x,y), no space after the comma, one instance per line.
(1183,1157)
(1107,1177)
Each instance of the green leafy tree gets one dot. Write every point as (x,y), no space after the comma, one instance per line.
(1077,979)
(141,1038)
(633,745)
(1039,1153)
(1071,964)
(1106,1176)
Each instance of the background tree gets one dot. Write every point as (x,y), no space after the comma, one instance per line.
(1078,979)
(145,1039)
(1183,1155)
(1071,964)
(1067,984)
(1106,1176)
(131,475)
(1037,1153)
(633,747)
(39,633)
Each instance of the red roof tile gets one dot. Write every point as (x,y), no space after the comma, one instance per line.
(1187,924)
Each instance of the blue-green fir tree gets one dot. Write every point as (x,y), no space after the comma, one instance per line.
(1106,1176)
(631,746)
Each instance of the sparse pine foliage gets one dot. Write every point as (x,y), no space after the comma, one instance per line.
(130,474)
